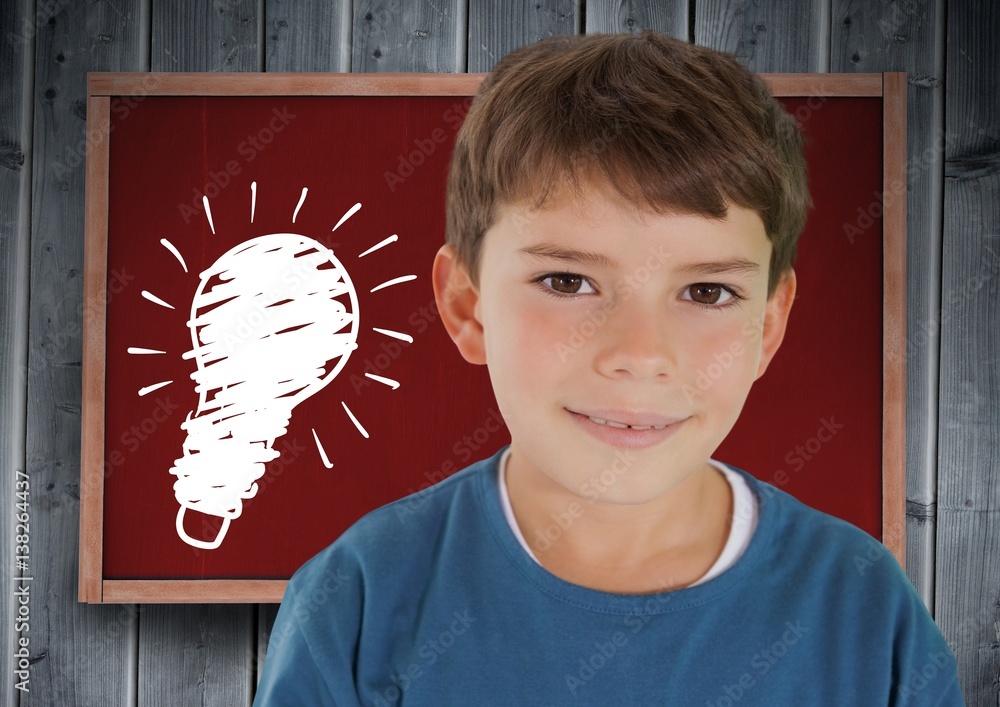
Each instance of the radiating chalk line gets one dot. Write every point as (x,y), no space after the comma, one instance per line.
(156,300)
(394,334)
(170,246)
(208,212)
(322,452)
(137,350)
(394,281)
(364,433)
(155,386)
(350,212)
(305,190)
(386,381)
(391,239)
(253,199)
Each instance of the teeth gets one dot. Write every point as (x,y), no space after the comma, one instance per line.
(622,426)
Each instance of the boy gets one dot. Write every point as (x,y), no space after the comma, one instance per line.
(656,190)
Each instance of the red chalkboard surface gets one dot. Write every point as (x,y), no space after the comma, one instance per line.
(253,217)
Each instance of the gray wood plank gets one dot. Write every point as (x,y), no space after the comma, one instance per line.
(17,31)
(967,598)
(869,37)
(395,35)
(766,35)
(192,35)
(496,28)
(307,35)
(632,16)
(85,653)
(266,615)
(199,654)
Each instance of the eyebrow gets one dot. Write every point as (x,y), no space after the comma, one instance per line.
(731,266)
(548,250)
(734,265)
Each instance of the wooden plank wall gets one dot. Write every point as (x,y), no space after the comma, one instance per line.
(211,655)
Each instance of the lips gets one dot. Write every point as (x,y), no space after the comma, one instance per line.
(626,430)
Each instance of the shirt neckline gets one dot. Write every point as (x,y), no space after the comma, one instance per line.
(597,600)
(744,517)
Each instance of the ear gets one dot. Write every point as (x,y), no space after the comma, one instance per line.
(457,302)
(776,319)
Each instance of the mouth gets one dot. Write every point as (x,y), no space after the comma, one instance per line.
(620,428)
(623,426)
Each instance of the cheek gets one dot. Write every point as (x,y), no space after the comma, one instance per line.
(524,343)
(724,362)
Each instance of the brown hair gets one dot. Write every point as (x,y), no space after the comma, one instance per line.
(673,127)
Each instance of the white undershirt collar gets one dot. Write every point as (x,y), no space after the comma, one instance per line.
(744,518)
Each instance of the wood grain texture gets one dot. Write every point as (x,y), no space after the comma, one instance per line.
(17,31)
(496,28)
(229,84)
(869,37)
(192,35)
(200,654)
(85,656)
(894,316)
(95,283)
(765,35)
(631,16)
(194,591)
(395,35)
(307,35)
(967,596)
(266,615)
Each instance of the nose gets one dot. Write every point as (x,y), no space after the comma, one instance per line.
(638,344)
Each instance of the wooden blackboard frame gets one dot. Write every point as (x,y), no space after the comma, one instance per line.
(104,87)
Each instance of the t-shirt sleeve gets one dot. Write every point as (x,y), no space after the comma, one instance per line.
(311,652)
(926,673)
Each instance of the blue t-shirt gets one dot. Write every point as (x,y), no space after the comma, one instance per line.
(431,601)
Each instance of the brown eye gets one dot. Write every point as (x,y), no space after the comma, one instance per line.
(567,284)
(709,293)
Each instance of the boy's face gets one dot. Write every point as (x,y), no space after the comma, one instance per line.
(590,311)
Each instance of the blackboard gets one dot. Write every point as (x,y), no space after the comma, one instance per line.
(190,175)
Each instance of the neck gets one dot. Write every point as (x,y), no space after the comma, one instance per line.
(663,544)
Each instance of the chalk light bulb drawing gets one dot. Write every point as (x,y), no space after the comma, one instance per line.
(268,329)
(273,321)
